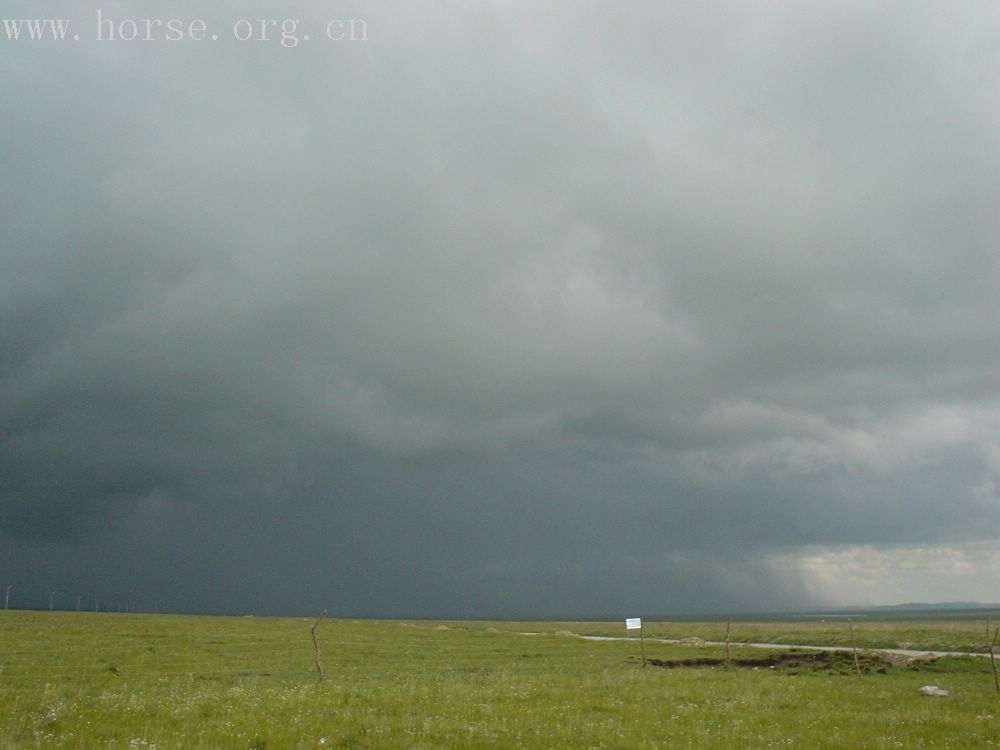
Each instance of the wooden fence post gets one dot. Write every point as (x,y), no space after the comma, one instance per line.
(319,667)
(993,659)
(854,647)
(729,622)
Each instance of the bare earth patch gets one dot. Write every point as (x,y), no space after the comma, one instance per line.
(792,661)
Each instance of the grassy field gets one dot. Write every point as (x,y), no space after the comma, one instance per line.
(76,680)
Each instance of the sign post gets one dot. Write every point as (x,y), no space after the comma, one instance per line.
(635,623)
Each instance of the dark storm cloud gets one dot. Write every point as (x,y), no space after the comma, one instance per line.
(508,309)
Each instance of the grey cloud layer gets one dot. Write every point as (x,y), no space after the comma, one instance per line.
(507,305)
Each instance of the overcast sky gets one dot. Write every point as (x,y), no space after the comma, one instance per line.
(523,309)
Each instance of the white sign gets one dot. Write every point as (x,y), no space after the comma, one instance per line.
(633,623)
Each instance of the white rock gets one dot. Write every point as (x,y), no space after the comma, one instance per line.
(933,690)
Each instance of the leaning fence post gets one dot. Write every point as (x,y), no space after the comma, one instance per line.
(319,667)
(854,648)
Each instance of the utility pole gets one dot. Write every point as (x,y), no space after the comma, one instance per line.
(6,598)
(52,596)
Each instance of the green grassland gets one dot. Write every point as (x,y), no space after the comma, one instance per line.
(139,682)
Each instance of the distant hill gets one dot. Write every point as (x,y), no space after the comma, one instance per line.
(922,607)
